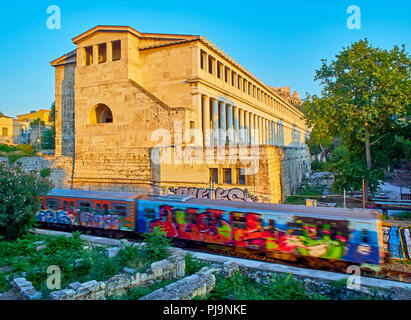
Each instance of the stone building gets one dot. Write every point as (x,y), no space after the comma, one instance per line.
(11,130)
(165,113)
(42,114)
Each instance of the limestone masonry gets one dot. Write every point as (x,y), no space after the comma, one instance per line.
(165,113)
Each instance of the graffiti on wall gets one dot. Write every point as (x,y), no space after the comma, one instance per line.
(234,194)
(92,218)
(286,234)
(397,241)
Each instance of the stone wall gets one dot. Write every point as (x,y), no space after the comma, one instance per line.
(295,163)
(173,267)
(61,167)
(196,285)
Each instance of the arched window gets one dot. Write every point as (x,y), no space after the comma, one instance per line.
(101,113)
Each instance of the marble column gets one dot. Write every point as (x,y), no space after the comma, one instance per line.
(223,123)
(214,117)
(236,125)
(252,128)
(206,119)
(242,126)
(230,128)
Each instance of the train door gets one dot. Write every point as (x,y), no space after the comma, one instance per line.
(102,206)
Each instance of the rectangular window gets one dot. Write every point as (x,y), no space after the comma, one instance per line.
(120,209)
(53,204)
(85,206)
(241,176)
(116,50)
(202,59)
(214,175)
(219,69)
(88,52)
(233,74)
(226,74)
(239,82)
(245,85)
(149,213)
(227,176)
(102,53)
(238,221)
(210,64)
(5,131)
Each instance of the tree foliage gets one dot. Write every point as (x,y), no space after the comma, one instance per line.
(366,91)
(19,200)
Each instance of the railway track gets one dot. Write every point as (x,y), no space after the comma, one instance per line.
(338,266)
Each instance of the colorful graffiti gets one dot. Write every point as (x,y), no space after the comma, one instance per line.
(397,241)
(106,220)
(283,233)
(234,194)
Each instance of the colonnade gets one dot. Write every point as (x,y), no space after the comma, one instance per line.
(224,123)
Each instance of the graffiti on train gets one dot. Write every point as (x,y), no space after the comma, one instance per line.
(234,194)
(84,218)
(397,241)
(319,238)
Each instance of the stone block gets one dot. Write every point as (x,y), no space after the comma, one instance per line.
(112,252)
(66,294)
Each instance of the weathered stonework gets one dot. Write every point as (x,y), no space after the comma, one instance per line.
(196,285)
(172,268)
(61,167)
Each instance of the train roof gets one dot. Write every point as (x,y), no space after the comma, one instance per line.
(270,207)
(286,208)
(86,194)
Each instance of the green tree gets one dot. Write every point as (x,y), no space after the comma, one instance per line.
(19,200)
(36,122)
(365,90)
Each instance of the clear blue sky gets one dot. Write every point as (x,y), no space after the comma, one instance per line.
(281,42)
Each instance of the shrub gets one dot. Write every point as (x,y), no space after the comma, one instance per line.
(318,166)
(193,265)
(19,200)
(157,245)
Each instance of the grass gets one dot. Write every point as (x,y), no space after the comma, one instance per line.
(240,287)
(138,292)
(76,263)
(16,152)
(193,265)
(304,193)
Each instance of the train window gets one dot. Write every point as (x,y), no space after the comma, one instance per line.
(85,206)
(72,205)
(120,209)
(53,204)
(239,222)
(64,205)
(149,213)
(99,208)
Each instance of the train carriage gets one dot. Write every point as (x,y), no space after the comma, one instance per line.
(285,232)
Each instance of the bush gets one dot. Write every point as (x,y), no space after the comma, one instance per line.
(318,166)
(19,200)
(157,245)
(193,265)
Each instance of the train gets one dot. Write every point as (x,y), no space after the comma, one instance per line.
(333,238)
